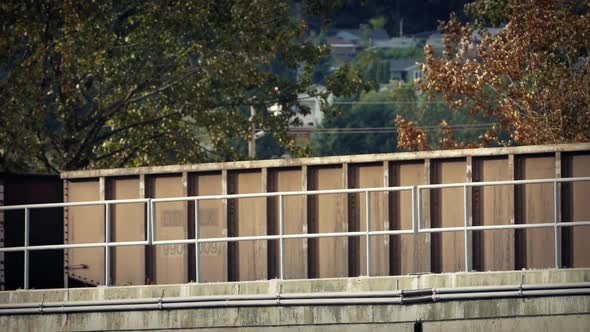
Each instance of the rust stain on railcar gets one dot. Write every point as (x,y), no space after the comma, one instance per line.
(85,225)
(128,224)
(213,256)
(171,261)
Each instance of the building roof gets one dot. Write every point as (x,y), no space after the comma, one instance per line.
(379,34)
(349,34)
(339,42)
(354,35)
(424,34)
(401,64)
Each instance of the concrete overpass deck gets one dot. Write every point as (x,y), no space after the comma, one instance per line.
(543,300)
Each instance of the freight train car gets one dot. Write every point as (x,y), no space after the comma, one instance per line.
(46,228)
(505,249)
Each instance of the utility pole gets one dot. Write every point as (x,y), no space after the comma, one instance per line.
(252,140)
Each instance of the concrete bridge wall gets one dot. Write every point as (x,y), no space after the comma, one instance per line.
(544,313)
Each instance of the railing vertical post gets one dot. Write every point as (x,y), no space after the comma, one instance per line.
(151,250)
(26,275)
(418,207)
(556,228)
(107,240)
(414,203)
(468,251)
(152,221)
(148,224)
(281,237)
(368,229)
(197,246)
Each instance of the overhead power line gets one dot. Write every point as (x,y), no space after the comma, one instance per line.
(385,102)
(456,126)
(378,130)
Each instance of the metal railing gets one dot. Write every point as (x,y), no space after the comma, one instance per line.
(416,209)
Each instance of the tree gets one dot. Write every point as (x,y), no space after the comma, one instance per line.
(377,22)
(369,113)
(118,83)
(364,125)
(532,78)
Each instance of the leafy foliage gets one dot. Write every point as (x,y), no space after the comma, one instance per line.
(377,22)
(364,125)
(532,78)
(88,84)
(365,115)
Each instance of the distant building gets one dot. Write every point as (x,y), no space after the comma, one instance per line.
(396,42)
(432,37)
(315,116)
(343,48)
(314,119)
(404,70)
(349,35)
(362,37)
(436,40)
(378,35)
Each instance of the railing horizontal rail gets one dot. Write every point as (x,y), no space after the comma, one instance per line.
(76,245)
(416,213)
(278,237)
(71,204)
(502,227)
(501,183)
(283,193)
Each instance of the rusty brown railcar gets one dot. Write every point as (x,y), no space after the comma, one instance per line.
(332,257)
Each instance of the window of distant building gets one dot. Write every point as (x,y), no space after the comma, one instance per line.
(418,75)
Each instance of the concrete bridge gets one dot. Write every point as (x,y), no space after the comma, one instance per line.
(540,300)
